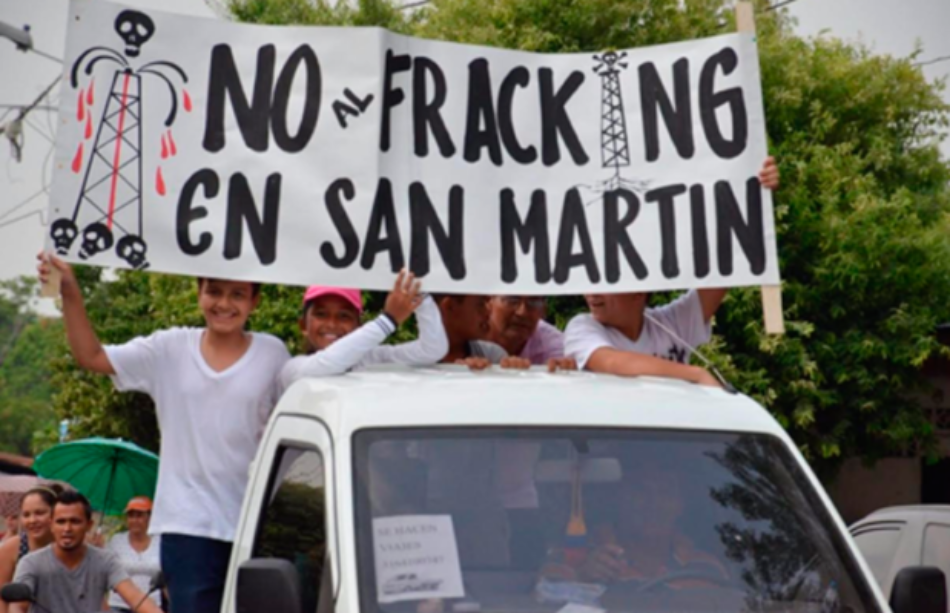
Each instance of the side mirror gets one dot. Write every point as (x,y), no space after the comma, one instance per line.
(265,585)
(919,589)
(16,592)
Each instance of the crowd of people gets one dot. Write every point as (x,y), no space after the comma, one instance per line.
(225,380)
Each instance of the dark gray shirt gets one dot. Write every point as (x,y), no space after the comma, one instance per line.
(59,589)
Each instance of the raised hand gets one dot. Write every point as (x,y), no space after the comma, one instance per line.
(404,298)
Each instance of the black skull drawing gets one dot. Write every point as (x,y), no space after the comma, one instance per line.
(64,233)
(95,238)
(132,249)
(135,28)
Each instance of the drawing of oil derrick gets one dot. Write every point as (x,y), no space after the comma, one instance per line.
(614,145)
(110,202)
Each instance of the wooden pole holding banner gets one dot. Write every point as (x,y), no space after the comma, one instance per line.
(771,294)
(50,289)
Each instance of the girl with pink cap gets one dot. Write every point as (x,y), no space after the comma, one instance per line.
(329,323)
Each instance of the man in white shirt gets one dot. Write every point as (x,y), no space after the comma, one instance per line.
(621,336)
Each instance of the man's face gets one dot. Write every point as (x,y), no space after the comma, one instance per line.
(226,305)
(515,318)
(137,521)
(615,309)
(651,502)
(470,317)
(328,319)
(70,526)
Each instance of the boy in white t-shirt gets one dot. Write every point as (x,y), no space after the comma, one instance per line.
(329,323)
(214,388)
(617,337)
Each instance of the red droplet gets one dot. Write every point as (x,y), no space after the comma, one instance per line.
(171,144)
(89,126)
(159,182)
(80,108)
(77,161)
(92,86)
(164,148)
(187,99)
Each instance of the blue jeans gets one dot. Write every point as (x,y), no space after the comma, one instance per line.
(195,569)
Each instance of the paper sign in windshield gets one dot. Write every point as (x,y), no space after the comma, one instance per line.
(416,558)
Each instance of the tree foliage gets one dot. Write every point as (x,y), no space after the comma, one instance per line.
(862,219)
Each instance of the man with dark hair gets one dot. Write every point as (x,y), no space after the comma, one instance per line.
(70,576)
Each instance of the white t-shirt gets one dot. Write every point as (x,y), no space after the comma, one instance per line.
(362,348)
(585,335)
(141,567)
(211,423)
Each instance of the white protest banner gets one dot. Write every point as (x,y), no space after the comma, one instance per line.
(416,558)
(307,155)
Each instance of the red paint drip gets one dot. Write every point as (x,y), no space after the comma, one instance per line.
(77,161)
(171,144)
(187,99)
(92,86)
(80,108)
(159,182)
(164,148)
(118,148)
(89,126)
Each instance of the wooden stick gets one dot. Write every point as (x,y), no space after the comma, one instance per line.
(771,294)
(50,289)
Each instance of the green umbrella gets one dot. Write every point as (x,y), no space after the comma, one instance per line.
(109,472)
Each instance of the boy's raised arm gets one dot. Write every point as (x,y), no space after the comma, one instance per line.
(631,364)
(428,349)
(83,342)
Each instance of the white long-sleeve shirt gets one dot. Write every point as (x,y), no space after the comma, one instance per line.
(364,348)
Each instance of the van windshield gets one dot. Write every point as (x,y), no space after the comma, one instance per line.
(575,521)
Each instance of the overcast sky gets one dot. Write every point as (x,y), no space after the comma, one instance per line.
(889,26)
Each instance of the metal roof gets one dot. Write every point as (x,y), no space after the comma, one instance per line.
(394,396)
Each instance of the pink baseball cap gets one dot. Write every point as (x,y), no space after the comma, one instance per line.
(353,296)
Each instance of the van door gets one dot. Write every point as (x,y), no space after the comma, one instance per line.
(288,511)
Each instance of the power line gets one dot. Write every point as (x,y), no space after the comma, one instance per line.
(22,217)
(19,206)
(936,60)
(779,5)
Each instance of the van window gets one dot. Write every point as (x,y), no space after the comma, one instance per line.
(937,547)
(534,519)
(878,546)
(292,524)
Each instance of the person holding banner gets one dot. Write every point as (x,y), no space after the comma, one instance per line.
(335,345)
(516,323)
(214,388)
(621,336)
(466,326)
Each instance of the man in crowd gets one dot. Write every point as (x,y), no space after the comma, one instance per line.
(517,324)
(70,576)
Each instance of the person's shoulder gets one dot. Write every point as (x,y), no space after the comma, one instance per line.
(271,343)
(548,329)
(487,349)
(10,547)
(118,539)
(100,555)
(37,557)
(581,322)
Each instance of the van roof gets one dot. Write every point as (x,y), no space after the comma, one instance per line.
(447,395)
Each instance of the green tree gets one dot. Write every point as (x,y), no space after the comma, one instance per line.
(862,218)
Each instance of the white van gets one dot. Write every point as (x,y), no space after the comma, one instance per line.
(437,490)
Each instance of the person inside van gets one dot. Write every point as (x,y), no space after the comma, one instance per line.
(336,343)
(646,541)
(621,336)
